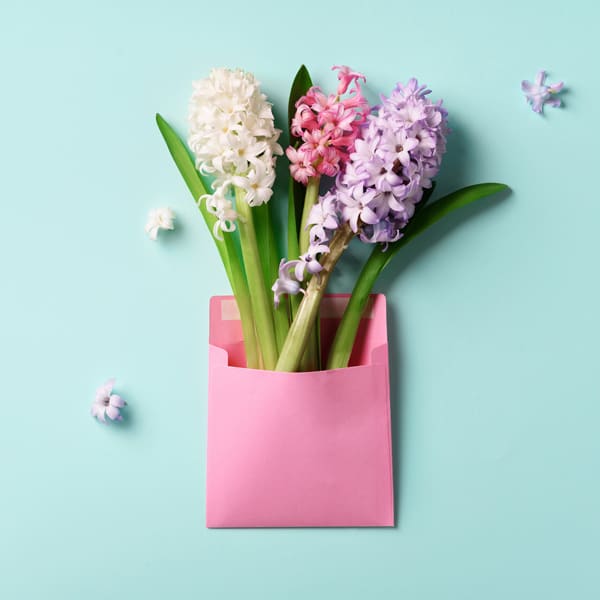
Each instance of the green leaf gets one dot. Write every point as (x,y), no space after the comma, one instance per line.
(426,216)
(197,186)
(269,258)
(185,164)
(432,213)
(293,249)
(302,82)
(300,86)
(265,240)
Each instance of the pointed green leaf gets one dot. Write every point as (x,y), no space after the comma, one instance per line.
(432,213)
(302,82)
(293,249)
(264,239)
(426,216)
(197,187)
(184,163)
(269,258)
(300,86)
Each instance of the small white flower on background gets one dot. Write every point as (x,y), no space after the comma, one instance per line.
(107,404)
(159,218)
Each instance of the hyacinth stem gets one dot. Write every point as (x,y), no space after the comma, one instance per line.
(261,306)
(293,249)
(310,199)
(303,325)
(311,358)
(281,312)
(242,299)
(341,349)
(269,256)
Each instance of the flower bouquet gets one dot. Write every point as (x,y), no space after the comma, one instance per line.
(298,424)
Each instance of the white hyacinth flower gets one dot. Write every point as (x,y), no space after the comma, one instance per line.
(222,207)
(159,218)
(233,137)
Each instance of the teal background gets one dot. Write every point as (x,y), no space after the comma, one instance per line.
(493,316)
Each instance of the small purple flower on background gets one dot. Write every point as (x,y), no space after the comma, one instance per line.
(538,94)
(107,404)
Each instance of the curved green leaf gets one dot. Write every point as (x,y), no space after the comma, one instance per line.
(226,247)
(424,218)
(432,213)
(300,85)
(197,186)
(302,82)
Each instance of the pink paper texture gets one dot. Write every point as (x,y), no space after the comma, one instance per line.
(299,449)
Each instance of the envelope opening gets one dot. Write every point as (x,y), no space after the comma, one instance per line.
(226,330)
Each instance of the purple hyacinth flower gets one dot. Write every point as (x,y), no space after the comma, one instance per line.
(397,154)
(385,232)
(323,216)
(538,94)
(285,283)
(107,404)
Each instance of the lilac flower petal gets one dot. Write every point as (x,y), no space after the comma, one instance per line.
(105,389)
(285,283)
(314,266)
(112,412)
(107,403)
(117,401)
(556,87)
(539,78)
(369,216)
(299,270)
(538,94)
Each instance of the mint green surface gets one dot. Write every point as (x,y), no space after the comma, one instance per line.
(493,316)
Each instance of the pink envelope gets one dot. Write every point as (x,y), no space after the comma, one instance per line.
(299,449)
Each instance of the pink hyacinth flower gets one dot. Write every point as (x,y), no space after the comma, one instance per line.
(328,126)
(346,77)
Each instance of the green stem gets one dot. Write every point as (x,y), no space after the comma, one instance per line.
(294,305)
(310,199)
(269,257)
(261,307)
(341,349)
(281,313)
(303,324)
(240,290)
(293,250)
(281,320)
(311,359)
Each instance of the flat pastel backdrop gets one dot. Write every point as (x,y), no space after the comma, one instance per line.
(493,317)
